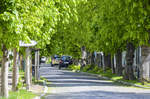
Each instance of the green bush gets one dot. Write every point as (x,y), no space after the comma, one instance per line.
(96,69)
(11,68)
(48,60)
(86,68)
(20,83)
(75,67)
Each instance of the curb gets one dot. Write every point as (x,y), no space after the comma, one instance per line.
(119,81)
(99,76)
(45,91)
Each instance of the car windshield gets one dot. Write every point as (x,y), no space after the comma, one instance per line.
(57,58)
(65,58)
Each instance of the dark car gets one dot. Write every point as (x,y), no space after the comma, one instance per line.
(65,61)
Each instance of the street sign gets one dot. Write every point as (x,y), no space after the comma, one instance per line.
(23,44)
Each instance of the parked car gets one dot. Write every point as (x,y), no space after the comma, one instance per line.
(56,60)
(43,59)
(65,61)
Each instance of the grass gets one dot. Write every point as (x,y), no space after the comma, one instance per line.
(41,81)
(21,94)
(21,72)
(108,73)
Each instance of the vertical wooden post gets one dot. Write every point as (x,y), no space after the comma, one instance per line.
(30,69)
(27,68)
(36,64)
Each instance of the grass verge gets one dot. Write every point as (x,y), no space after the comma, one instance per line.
(108,73)
(21,94)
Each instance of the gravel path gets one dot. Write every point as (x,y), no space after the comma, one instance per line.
(69,85)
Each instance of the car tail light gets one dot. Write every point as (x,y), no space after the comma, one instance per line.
(60,61)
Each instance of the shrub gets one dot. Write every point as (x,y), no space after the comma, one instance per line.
(75,67)
(20,83)
(96,69)
(86,68)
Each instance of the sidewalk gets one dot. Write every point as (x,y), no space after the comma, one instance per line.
(37,89)
(40,90)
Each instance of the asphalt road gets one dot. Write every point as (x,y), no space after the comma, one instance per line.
(70,85)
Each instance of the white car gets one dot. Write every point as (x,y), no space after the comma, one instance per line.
(43,59)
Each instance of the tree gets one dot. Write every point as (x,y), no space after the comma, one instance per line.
(4,72)
(109,26)
(15,76)
(24,20)
(9,36)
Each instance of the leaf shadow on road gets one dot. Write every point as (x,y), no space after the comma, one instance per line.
(71,79)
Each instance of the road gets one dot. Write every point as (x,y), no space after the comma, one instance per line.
(70,85)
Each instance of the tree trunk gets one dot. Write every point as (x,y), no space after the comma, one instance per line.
(84,55)
(128,72)
(27,69)
(88,58)
(15,70)
(92,59)
(112,64)
(99,60)
(107,60)
(4,71)
(103,63)
(119,63)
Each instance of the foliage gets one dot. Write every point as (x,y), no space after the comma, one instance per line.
(101,25)
(74,67)
(27,20)
(48,61)
(20,83)
(86,68)
(63,27)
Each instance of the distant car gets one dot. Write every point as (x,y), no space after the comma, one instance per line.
(43,59)
(56,60)
(65,61)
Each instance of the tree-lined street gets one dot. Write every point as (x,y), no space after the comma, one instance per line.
(110,38)
(70,85)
